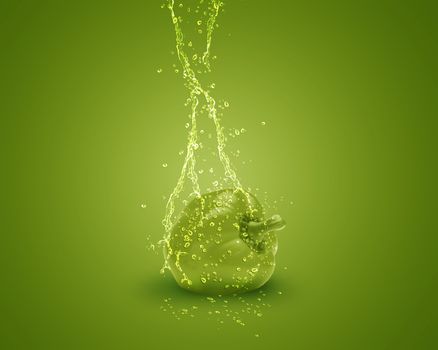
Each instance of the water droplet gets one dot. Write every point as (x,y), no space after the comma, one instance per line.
(187,125)
(243,130)
(164,165)
(263,123)
(280,293)
(226,104)
(199,31)
(159,70)
(212,224)
(181,153)
(210,170)
(203,280)
(199,22)
(213,85)
(237,132)
(215,183)
(195,57)
(190,44)
(257,335)
(143,205)
(174,20)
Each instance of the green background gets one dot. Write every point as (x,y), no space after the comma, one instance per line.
(348,92)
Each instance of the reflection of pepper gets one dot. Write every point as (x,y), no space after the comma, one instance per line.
(222,244)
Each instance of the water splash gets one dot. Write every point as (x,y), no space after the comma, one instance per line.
(197,95)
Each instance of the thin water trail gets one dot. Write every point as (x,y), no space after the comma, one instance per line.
(198,96)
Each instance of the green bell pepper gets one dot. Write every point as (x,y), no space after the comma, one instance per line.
(222,244)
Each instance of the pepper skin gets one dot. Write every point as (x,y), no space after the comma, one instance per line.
(222,244)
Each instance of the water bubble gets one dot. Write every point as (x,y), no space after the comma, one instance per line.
(164,165)
(215,183)
(174,20)
(226,104)
(187,125)
(143,206)
(202,132)
(237,132)
(199,22)
(181,153)
(190,44)
(195,57)
(159,70)
(263,123)
(242,131)
(203,280)
(180,5)
(210,170)
(199,31)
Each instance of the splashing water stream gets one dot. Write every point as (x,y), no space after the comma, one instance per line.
(196,93)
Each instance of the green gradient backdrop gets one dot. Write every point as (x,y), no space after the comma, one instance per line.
(347,89)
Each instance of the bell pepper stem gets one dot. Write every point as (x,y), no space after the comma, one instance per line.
(256,230)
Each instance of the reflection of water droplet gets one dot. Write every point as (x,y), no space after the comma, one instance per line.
(164,165)
(263,123)
(143,205)
(159,70)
